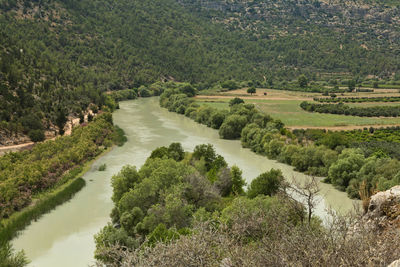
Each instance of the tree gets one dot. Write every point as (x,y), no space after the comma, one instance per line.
(251,90)
(351,84)
(308,193)
(231,85)
(232,126)
(267,183)
(189,90)
(61,119)
(176,152)
(346,167)
(144,92)
(237,180)
(235,101)
(81,117)
(36,135)
(302,81)
(207,152)
(123,182)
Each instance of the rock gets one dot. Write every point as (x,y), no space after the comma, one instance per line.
(226,262)
(384,209)
(380,201)
(395,264)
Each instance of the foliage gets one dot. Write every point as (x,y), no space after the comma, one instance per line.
(262,236)
(174,151)
(159,202)
(358,99)
(267,183)
(346,168)
(20,220)
(10,259)
(340,108)
(102,167)
(303,81)
(251,90)
(230,123)
(237,180)
(236,101)
(25,174)
(323,156)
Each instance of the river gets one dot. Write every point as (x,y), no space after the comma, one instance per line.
(64,237)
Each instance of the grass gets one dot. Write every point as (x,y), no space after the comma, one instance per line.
(68,186)
(291,114)
(102,167)
(20,220)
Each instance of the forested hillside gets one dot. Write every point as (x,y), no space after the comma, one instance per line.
(57,57)
(316,37)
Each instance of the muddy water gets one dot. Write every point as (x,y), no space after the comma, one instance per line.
(64,237)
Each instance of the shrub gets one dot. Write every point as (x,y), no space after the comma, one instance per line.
(267,183)
(36,135)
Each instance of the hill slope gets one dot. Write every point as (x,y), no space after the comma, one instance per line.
(58,56)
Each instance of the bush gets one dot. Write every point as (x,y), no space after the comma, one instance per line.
(267,183)
(102,167)
(36,135)
(236,101)
(232,127)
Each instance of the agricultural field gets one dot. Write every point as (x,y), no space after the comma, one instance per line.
(285,105)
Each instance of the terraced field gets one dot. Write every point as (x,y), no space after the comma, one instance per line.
(284,105)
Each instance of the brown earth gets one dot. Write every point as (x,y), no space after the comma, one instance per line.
(72,122)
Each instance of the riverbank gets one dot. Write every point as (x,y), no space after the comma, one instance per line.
(35,182)
(47,201)
(69,229)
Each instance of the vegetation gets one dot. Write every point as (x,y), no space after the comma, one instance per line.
(266,184)
(9,259)
(20,220)
(251,90)
(345,163)
(265,237)
(170,214)
(377,111)
(230,123)
(164,199)
(292,115)
(358,99)
(383,141)
(58,58)
(102,167)
(26,174)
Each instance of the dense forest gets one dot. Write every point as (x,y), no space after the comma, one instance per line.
(58,57)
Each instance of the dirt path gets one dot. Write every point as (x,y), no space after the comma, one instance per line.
(68,130)
(342,128)
(15,148)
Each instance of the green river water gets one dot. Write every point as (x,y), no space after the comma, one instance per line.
(64,237)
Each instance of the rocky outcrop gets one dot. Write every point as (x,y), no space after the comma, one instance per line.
(395,264)
(384,209)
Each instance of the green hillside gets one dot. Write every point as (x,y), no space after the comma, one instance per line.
(57,57)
